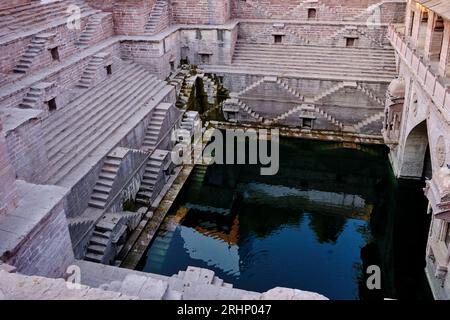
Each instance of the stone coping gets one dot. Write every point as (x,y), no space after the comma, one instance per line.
(36,203)
(14,117)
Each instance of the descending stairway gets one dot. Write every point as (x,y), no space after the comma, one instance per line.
(99,243)
(101,247)
(248,88)
(189,121)
(89,73)
(89,32)
(35,48)
(249,111)
(151,182)
(370,94)
(330,91)
(33,98)
(313,61)
(368,121)
(316,99)
(291,90)
(187,88)
(96,117)
(102,189)
(155,16)
(153,132)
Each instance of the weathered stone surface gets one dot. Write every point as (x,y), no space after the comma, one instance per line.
(290,294)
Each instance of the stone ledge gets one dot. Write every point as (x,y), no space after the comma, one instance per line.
(36,203)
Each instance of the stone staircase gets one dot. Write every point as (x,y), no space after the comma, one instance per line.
(186,89)
(33,98)
(36,13)
(314,100)
(96,117)
(338,35)
(315,61)
(89,73)
(248,88)
(210,88)
(106,233)
(36,47)
(155,16)
(291,90)
(106,178)
(330,91)
(154,128)
(368,121)
(368,92)
(151,182)
(249,111)
(91,27)
(299,36)
(189,120)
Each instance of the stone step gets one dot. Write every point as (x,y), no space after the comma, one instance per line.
(102,197)
(52,124)
(93,257)
(102,234)
(96,249)
(113,161)
(101,116)
(104,226)
(105,183)
(344,73)
(94,109)
(99,241)
(288,47)
(91,142)
(96,204)
(332,67)
(307,54)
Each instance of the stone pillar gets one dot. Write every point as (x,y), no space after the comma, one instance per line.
(445,53)
(435,33)
(415,25)
(8,193)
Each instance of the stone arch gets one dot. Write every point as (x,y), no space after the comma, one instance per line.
(415,152)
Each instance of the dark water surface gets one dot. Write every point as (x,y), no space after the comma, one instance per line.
(317,225)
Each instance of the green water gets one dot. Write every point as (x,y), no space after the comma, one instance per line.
(317,225)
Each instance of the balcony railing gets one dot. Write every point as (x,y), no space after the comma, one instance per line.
(430,79)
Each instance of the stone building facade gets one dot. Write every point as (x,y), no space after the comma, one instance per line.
(416,126)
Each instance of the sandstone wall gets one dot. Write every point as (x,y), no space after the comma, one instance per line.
(13,3)
(328,34)
(130,16)
(38,240)
(65,39)
(104,5)
(8,193)
(200,11)
(28,152)
(326,10)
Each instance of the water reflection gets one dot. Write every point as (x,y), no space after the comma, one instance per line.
(310,227)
